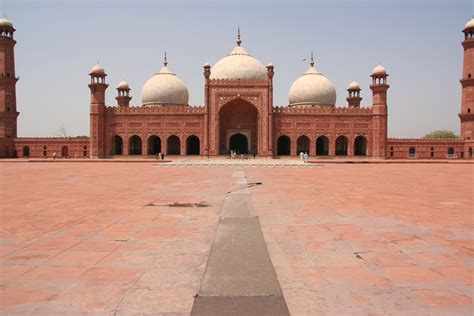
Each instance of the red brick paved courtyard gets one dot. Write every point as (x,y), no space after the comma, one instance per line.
(120,238)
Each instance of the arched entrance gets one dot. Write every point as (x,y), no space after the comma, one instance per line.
(238,117)
(174,145)
(283,146)
(135,145)
(192,145)
(302,144)
(341,146)
(154,145)
(239,143)
(26,151)
(360,146)
(64,152)
(117,145)
(322,146)
(470,152)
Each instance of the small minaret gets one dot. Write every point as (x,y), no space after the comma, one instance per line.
(207,74)
(8,80)
(467,82)
(123,98)
(353,99)
(379,88)
(97,112)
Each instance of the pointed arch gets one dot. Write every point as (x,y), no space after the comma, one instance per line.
(341,146)
(302,144)
(192,145)
(283,146)
(135,145)
(154,145)
(322,146)
(173,144)
(360,146)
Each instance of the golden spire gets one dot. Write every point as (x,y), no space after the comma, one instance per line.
(238,36)
(312,60)
(165,61)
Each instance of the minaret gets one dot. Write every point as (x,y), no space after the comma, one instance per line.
(123,98)
(97,112)
(353,99)
(467,82)
(8,80)
(379,88)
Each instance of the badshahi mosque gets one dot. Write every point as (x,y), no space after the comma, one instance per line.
(238,115)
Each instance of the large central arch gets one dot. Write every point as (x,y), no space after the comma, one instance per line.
(238,117)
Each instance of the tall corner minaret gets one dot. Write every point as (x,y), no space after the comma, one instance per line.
(467,82)
(8,80)
(97,112)
(379,89)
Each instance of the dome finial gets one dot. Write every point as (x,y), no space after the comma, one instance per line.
(312,60)
(165,61)
(238,36)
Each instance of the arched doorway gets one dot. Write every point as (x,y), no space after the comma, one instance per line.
(154,145)
(239,143)
(135,145)
(64,152)
(322,146)
(26,151)
(412,152)
(173,145)
(360,146)
(238,117)
(118,145)
(283,146)
(302,144)
(470,152)
(192,145)
(341,146)
(450,151)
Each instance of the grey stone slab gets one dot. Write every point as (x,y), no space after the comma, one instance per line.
(241,305)
(237,205)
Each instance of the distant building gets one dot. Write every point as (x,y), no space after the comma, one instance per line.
(238,114)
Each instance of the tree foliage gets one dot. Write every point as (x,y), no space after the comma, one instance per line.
(441,134)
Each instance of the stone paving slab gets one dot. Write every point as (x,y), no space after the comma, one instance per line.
(131,239)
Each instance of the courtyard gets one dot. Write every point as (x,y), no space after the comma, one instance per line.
(136,238)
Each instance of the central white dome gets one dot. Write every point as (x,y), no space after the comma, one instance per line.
(312,88)
(239,65)
(165,88)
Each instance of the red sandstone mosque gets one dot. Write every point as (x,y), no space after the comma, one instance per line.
(238,114)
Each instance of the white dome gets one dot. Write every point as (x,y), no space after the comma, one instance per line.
(353,86)
(312,88)
(239,65)
(5,22)
(97,70)
(123,85)
(379,70)
(469,24)
(165,88)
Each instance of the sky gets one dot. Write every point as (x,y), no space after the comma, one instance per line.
(418,42)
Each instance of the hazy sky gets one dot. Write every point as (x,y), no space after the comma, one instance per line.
(418,42)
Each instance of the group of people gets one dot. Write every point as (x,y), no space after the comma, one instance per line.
(304,156)
(233,154)
(159,156)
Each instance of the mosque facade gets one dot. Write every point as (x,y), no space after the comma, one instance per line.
(238,115)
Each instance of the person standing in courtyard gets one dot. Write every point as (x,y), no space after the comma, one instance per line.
(305,157)
(54,156)
(301,156)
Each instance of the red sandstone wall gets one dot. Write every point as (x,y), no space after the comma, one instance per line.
(425,148)
(331,122)
(148,121)
(44,147)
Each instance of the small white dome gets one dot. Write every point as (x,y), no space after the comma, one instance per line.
(123,85)
(5,22)
(353,86)
(379,70)
(312,88)
(270,65)
(239,65)
(97,70)
(469,25)
(165,88)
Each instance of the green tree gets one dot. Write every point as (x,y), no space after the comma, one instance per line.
(441,134)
